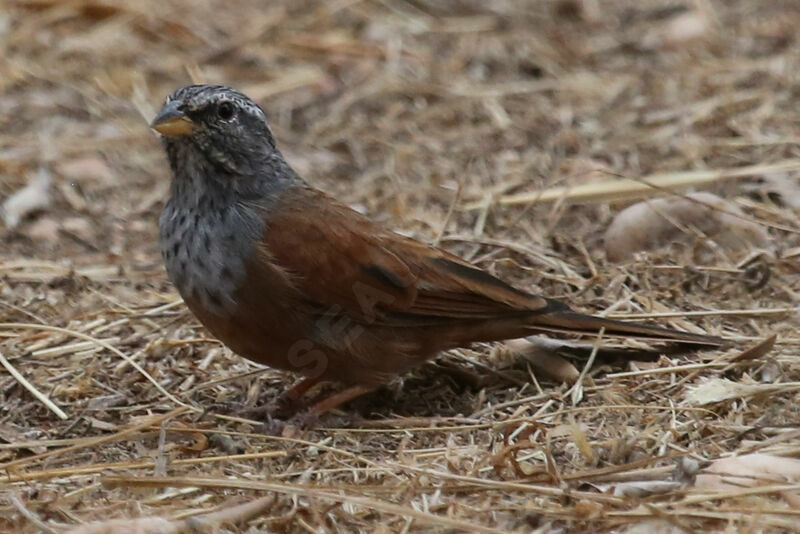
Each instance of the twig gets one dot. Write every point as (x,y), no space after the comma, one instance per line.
(629,188)
(294,489)
(30,387)
(105,345)
(30,516)
(576,391)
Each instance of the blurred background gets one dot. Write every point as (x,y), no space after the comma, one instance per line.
(442,119)
(391,104)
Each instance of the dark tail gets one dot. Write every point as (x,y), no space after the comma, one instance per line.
(559,317)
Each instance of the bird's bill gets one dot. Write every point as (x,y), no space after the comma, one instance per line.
(172,122)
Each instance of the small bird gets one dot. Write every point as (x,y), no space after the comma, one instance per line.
(286,276)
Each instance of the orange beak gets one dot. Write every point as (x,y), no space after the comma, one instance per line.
(173,122)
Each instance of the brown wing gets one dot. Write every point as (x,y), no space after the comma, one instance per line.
(337,258)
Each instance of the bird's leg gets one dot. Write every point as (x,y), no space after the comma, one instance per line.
(337,399)
(309,417)
(287,401)
(286,404)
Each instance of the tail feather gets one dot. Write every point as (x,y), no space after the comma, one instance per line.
(566,320)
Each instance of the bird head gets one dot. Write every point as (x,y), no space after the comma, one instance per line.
(216,127)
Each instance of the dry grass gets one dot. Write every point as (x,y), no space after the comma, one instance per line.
(395,106)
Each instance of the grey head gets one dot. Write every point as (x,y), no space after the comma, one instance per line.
(218,138)
(227,175)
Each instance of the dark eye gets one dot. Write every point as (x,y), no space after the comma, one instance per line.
(225,111)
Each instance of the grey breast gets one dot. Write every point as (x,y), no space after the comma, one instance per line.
(206,248)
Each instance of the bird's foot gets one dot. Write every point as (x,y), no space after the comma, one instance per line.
(284,406)
(307,419)
(272,427)
(291,427)
(225,408)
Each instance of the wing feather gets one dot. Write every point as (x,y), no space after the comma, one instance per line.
(338,258)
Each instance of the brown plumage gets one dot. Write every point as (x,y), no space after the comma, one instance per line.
(288,277)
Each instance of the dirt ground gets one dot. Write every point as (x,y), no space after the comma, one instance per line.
(454,122)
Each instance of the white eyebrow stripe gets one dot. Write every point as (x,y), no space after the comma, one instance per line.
(197,97)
